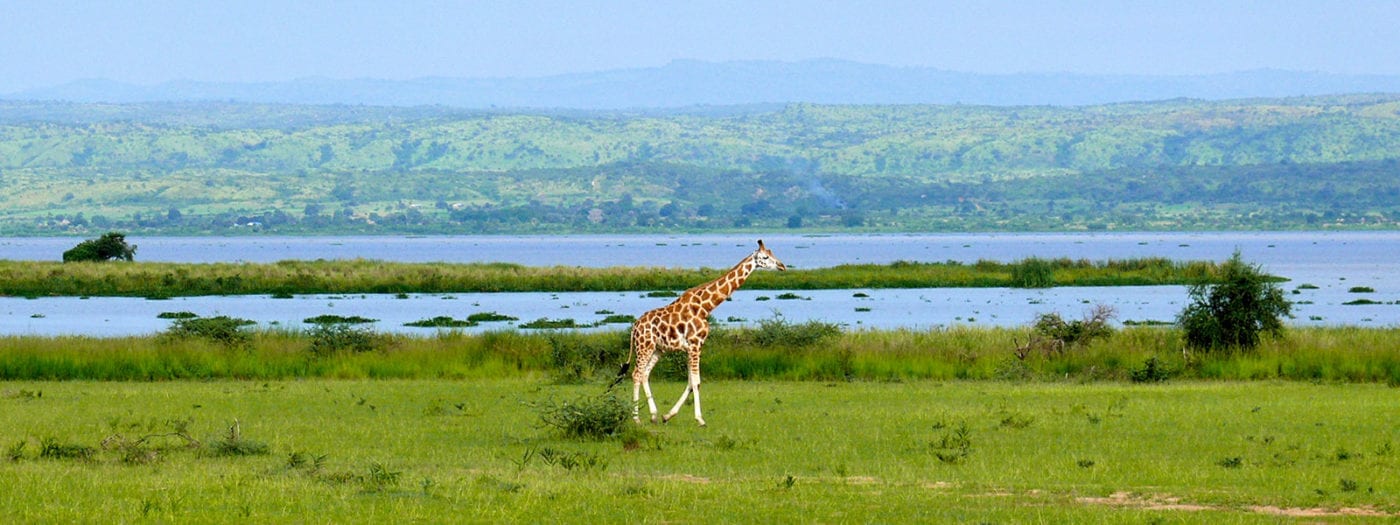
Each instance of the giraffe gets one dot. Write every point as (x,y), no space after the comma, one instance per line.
(682,326)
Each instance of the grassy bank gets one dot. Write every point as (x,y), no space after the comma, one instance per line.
(812,351)
(353,451)
(148,279)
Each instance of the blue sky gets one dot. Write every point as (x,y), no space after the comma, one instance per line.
(49,42)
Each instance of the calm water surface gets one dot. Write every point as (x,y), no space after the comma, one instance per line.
(1333,261)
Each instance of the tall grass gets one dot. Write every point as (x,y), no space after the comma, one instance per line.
(154,279)
(809,351)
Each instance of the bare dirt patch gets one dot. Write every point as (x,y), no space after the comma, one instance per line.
(1167,502)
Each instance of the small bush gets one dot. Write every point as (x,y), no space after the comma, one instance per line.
(588,418)
(329,339)
(1151,372)
(1068,333)
(176,315)
(225,330)
(51,448)
(233,444)
(1361,289)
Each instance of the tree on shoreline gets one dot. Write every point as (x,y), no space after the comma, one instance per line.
(112,245)
(1231,311)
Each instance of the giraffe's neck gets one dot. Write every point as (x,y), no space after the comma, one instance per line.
(710,295)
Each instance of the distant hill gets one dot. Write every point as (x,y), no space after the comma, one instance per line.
(202,168)
(684,83)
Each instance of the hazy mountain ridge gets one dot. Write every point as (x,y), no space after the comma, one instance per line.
(684,83)
(222,167)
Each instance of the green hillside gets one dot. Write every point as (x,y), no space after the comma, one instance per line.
(222,168)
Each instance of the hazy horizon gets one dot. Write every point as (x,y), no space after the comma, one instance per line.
(148,42)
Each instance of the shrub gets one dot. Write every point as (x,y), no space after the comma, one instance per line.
(225,330)
(1151,372)
(234,444)
(51,448)
(1231,311)
(1051,333)
(328,339)
(111,245)
(591,418)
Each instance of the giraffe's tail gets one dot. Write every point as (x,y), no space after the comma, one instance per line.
(620,374)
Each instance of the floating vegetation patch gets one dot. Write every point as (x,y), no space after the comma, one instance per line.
(336,319)
(489,317)
(789,296)
(1307,286)
(282,295)
(617,319)
(176,315)
(543,323)
(860,295)
(862,309)
(441,321)
(1361,289)
(1356,302)
(662,293)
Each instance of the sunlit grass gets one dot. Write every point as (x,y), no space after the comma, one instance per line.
(774,451)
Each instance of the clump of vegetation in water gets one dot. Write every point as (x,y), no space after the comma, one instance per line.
(338,319)
(441,321)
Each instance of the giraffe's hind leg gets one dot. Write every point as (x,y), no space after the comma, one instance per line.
(641,382)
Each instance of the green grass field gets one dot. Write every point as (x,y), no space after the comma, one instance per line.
(339,451)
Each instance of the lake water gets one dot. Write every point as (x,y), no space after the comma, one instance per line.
(1334,262)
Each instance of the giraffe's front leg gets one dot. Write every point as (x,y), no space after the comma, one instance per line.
(685,394)
(651,403)
(695,388)
(637,401)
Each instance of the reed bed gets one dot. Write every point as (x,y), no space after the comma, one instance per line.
(156,279)
(808,352)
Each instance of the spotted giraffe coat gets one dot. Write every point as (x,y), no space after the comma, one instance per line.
(683,326)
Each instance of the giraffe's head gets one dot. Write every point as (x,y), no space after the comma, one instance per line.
(765,259)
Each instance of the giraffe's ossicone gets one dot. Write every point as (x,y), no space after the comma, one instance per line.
(682,326)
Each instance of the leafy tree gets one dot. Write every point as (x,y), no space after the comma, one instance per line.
(111,245)
(1231,311)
